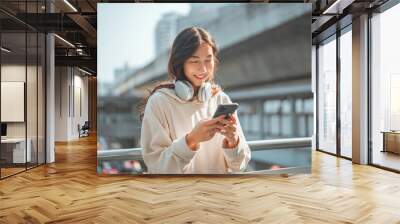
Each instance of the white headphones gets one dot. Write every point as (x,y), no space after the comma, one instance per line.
(185,91)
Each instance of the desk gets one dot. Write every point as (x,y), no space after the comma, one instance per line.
(391,141)
(16,147)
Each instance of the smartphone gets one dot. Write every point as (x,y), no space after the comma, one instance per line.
(226,109)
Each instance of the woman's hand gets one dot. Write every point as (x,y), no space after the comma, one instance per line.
(229,131)
(204,131)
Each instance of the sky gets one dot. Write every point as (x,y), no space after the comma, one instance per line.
(125,34)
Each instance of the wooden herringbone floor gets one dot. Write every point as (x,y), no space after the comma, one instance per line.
(70,191)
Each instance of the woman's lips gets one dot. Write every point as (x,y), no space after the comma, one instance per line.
(201,77)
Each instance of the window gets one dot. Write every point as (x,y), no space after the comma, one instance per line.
(346,94)
(327,95)
(22,62)
(287,118)
(385,87)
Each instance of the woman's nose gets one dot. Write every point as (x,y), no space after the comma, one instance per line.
(202,67)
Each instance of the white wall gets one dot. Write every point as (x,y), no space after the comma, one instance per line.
(80,100)
(71,93)
(61,103)
(33,126)
(12,73)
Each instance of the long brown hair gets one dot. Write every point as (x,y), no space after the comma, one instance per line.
(183,47)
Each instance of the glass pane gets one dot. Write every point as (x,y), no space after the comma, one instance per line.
(302,126)
(310,125)
(32,88)
(287,129)
(346,94)
(309,106)
(386,89)
(256,123)
(268,159)
(286,106)
(272,106)
(266,127)
(299,106)
(327,96)
(246,122)
(275,125)
(14,152)
(279,158)
(31,97)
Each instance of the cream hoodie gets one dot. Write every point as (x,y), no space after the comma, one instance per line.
(167,119)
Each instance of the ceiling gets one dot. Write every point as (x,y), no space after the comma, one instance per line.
(76,22)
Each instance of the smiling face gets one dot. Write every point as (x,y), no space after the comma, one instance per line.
(199,67)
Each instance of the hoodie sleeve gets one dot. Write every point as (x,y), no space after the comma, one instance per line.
(237,158)
(161,154)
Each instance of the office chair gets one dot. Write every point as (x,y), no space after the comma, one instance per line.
(84,130)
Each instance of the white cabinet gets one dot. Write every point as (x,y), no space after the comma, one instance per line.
(18,149)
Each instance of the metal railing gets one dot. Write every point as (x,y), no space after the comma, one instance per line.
(260,145)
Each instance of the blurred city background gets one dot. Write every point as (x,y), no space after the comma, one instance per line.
(265,65)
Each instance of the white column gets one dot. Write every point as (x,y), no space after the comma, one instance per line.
(50,99)
(50,92)
(314,91)
(360,90)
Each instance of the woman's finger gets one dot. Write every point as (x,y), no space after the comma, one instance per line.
(214,120)
(230,127)
(215,126)
(232,119)
(225,122)
(228,135)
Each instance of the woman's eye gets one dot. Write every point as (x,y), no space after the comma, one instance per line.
(194,62)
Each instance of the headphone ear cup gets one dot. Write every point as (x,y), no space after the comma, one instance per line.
(184,90)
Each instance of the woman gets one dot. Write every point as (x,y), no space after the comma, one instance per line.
(178,134)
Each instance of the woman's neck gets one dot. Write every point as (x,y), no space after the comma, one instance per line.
(196,90)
